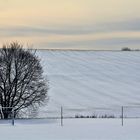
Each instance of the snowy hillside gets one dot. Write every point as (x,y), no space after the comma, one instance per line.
(86,79)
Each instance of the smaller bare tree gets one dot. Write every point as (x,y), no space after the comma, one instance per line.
(21,82)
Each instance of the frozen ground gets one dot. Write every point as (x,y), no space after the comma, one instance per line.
(73,129)
(86,80)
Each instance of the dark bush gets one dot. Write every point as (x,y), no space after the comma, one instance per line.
(126,49)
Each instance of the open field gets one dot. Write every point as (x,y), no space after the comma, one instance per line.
(73,129)
(85,83)
(86,80)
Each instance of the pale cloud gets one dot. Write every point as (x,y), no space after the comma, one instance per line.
(98,40)
(68,11)
(71,23)
(104,27)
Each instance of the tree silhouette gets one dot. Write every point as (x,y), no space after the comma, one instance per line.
(21,81)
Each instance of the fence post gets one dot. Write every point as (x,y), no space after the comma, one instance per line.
(122,115)
(13,117)
(61,116)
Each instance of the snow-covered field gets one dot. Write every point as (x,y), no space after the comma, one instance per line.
(86,80)
(73,129)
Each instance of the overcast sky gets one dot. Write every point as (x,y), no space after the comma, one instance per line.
(71,24)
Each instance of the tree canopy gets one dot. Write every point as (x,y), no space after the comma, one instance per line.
(21,79)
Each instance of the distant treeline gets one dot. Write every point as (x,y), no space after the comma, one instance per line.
(129,49)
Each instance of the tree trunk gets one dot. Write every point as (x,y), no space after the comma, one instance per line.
(5,115)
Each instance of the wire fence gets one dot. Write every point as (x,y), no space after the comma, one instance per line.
(92,112)
(122,112)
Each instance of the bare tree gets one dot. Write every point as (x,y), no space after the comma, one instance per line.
(21,81)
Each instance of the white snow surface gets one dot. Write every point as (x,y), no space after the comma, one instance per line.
(87,79)
(73,129)
(81,81)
